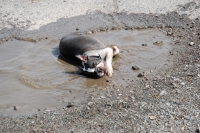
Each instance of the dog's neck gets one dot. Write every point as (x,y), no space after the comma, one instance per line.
(106,52)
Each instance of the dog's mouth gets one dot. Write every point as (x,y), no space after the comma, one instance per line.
(98,70)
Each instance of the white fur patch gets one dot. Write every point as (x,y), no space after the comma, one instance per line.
(89,69)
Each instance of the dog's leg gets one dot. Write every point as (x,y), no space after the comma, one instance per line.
(108,59)
(109,56)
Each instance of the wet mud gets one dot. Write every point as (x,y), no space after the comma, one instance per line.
(165,99)
(36,79)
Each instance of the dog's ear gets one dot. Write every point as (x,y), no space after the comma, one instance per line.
(82,57)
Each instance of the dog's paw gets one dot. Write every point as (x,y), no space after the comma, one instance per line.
(115,50)
(109,74)
(109,71)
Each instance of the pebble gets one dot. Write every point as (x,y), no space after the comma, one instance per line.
(69,105)
(94,31)
(140,75)
(114,28)
(147,86)
(135,67)
(47,110)
(90,104)
(89,32)
(183,128)
(126,28)
(163,92)
(15,108)
(182,83)
(191,43)
(152,117)
(102,29)
(144,44)
(169,32)
(158,43)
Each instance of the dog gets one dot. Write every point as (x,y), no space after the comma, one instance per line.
(95,58)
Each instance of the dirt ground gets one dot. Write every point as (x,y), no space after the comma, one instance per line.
(163,100)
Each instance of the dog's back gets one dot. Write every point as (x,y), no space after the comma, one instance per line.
(77,44)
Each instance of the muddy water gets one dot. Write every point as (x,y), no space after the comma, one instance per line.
(32,77)
(137,48)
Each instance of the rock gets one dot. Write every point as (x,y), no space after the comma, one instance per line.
(144,44)
(152,117)
(94,31)
(191,43)
(140,75)
(89,32)
(114,28)
(135,67)
(163,92)
(16,107)
(69,105)
(102,29)
(127,28)
(183,128)
(90,104)
(182,83)
(158,43)
(169,32)
(147,86)
(47,110)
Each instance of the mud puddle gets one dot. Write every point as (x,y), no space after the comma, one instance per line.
(32,78)
(145,49)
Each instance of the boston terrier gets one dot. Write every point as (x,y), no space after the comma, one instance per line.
(95,58)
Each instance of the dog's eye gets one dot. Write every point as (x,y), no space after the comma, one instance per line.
(95,63)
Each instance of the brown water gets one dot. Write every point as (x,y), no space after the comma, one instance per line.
(32,77)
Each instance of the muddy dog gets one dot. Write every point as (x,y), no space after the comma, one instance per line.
(94,56)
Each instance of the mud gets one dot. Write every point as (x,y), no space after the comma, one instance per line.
(35,79)
(132,52)
(165,99)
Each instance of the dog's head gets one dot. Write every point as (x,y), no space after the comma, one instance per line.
(92,65)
